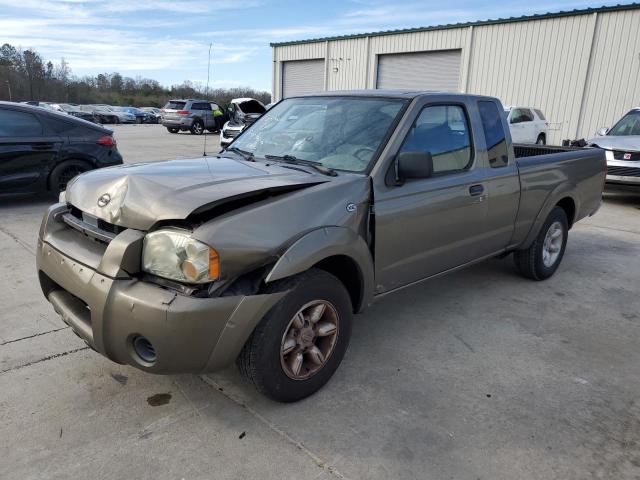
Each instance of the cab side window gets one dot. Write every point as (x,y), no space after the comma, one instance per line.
(443,131)
(494,134)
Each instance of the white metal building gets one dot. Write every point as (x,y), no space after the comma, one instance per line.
(581,67)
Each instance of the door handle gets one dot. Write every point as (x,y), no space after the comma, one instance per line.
(476,190)
(42,146)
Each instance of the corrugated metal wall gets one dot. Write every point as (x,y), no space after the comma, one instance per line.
(583,71)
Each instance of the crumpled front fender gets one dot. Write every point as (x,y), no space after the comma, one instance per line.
(323,243)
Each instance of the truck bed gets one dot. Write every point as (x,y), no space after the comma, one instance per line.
(531,150)
(545,169)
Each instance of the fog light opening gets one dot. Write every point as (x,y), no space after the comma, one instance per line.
(144,349)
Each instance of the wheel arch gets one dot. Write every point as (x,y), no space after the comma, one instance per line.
(562,196)
(90,162)
(337,250)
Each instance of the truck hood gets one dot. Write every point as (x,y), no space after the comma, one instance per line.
(138,196)
(629,143)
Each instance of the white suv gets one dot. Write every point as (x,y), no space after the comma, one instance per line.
(527,125)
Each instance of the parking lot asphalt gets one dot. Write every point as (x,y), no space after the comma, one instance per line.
(477,375)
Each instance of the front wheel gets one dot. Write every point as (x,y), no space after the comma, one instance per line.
(300,342)
(541,140)
(543,257)
(173,130)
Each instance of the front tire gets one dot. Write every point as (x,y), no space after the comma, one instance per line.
(300,342)
(541,140)
(542,258)
(173,130)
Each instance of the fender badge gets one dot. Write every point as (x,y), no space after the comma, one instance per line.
(104,200)
(351,207)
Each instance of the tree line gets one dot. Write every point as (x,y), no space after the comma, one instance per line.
(25,75)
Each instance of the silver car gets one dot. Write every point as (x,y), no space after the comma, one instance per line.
(621,144)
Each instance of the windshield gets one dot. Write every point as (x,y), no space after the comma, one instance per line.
(338,132)
(628,125)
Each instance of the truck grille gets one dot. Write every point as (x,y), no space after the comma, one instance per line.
(90,226)
(620,155)
(624,171)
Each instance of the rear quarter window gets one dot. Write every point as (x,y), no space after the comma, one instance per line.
(494,135)
(539,114)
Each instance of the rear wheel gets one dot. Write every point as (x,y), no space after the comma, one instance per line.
(300,343)
(543,257)
(197,128)
(173,130)
(62,174)
(116,120)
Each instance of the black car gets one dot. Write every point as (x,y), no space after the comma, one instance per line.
(41,150)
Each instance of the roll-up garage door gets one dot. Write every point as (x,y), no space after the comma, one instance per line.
(302,76)
(420,71)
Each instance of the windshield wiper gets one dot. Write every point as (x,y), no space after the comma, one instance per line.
(299,161)
(243,153)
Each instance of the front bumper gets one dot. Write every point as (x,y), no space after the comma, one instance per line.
(97,294)
(623,172)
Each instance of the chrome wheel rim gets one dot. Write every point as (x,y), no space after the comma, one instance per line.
(197,128)
(309,340)
(552,244)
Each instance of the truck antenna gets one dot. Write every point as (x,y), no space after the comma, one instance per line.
(206,91)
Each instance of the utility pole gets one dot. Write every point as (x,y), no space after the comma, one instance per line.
(9,86)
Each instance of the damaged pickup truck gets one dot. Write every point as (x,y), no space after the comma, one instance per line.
(263,253)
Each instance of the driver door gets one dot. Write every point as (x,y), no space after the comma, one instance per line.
(430,225)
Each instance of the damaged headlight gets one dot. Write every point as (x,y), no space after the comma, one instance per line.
(172,253)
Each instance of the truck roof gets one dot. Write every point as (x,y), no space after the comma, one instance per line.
(388,93)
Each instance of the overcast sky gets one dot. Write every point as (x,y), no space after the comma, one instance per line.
(168,40)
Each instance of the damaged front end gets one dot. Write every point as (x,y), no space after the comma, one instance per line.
(166,270)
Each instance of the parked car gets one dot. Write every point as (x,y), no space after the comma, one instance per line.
(190,114)
(621,144)
(74,111)
(156,115)
(262,254)
(242,113)
(42,150)
(527,125)
(140,116)
(123,117)
(101,114)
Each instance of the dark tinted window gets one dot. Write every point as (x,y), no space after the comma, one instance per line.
(540,115)
(19,124)
(494,134)
(519,115)
(173,105)
(200,106)
(62,126)
(443,131)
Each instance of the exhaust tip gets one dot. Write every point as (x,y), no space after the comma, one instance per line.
(144,349)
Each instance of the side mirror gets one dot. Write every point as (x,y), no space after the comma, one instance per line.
(413,165)
(603,131)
